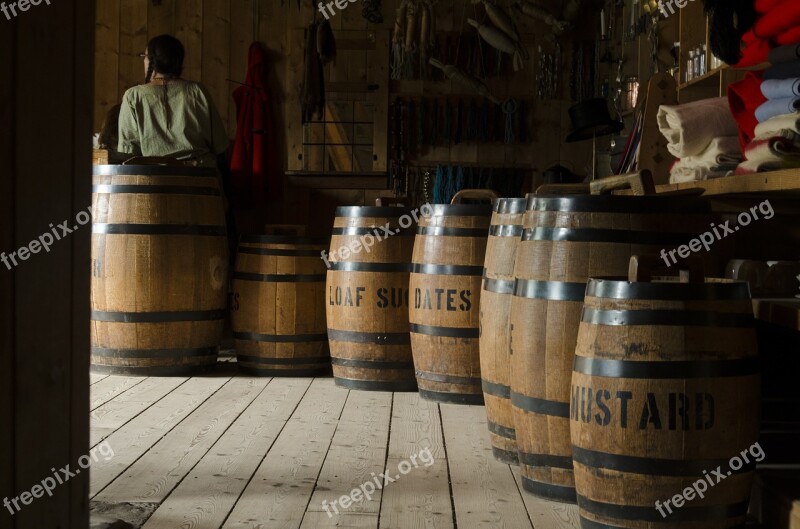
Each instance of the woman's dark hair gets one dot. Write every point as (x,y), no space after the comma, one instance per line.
(166,56)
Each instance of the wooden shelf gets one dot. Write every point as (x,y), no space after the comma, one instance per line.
(706,79)
(784,312)
(786,181)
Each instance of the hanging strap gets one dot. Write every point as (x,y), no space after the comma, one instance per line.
(510,108)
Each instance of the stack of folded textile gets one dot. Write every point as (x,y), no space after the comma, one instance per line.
(766,105)
(703,135)
(778,25)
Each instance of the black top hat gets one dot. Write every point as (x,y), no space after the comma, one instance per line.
(591,118)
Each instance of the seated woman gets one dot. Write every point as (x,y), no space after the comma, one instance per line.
(169,116)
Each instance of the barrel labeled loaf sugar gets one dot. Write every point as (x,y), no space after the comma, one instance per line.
(159,269)
(368,298)
(665,399)
(278,306)
(495,330)
(567,240)
(445,288)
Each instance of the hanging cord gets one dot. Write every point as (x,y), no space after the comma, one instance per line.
(459,180)
(510,108)
(450,187)
(439,185)
(422,117)
(434,123)
(459,123)
(483,129)
(472,121)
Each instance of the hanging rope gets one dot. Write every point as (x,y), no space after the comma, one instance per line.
(510,108)
(439,186)
(483,129)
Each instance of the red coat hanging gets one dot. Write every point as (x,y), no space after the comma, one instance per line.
(256,167)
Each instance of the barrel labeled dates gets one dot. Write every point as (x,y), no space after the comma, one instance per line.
(358,296)
(449,299)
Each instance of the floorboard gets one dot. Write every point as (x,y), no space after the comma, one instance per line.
(112,415)
(208,494)
(137,437)
(278,494)
(108,388)
(227,451)
(421,498)
(485,494)
(156,473)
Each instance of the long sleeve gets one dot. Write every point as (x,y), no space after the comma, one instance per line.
(129,141)
(217,137)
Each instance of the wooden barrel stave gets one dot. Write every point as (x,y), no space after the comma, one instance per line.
(279,306)
(665,447)
(495,307)
(449,252)
(159,270)
(567,240)
(369,334)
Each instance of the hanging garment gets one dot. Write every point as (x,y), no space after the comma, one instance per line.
(256,165)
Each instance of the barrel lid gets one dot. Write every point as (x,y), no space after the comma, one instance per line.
(460,210)
(283,239)
(509,205)
(153,170)
(667,289)
(372,211)
(619,204)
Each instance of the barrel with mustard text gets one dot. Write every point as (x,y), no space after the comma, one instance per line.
(278,306)
(566,240)
(367,298)
(159,269)
(445,288)
(665,398)
(495,309)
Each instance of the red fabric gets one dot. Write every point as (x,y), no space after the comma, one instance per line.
(780,18)
(744,98)
(763,6)
(779,26)
(790,37)
(256,163)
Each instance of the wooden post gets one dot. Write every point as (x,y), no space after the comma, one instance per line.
(46,75)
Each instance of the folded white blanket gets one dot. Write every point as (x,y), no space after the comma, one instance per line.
(690,128)
(778,123)
(721,151)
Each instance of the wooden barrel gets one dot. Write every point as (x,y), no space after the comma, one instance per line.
(665,391)
(445,288)
(278,306)
(567,240)
(495,309)
(367,303)
(159,269)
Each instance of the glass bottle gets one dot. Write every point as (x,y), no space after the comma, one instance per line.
(703,60)
(690,66)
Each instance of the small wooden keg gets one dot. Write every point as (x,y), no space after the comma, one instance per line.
(568,239)
(445,288)
(665,391)
(278,306)
(495,309)
(159,269)
(367,298)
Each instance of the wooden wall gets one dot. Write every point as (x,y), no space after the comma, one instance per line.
(46,111)
(217,34)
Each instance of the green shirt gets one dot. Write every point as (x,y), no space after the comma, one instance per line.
(177,119)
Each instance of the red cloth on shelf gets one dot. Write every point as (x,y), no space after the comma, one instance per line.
(744,98)
(256,164)
(779,25)
(778,19)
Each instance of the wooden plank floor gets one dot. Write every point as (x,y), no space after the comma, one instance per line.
(228,451)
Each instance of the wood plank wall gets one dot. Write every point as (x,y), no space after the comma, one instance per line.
(217,34)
